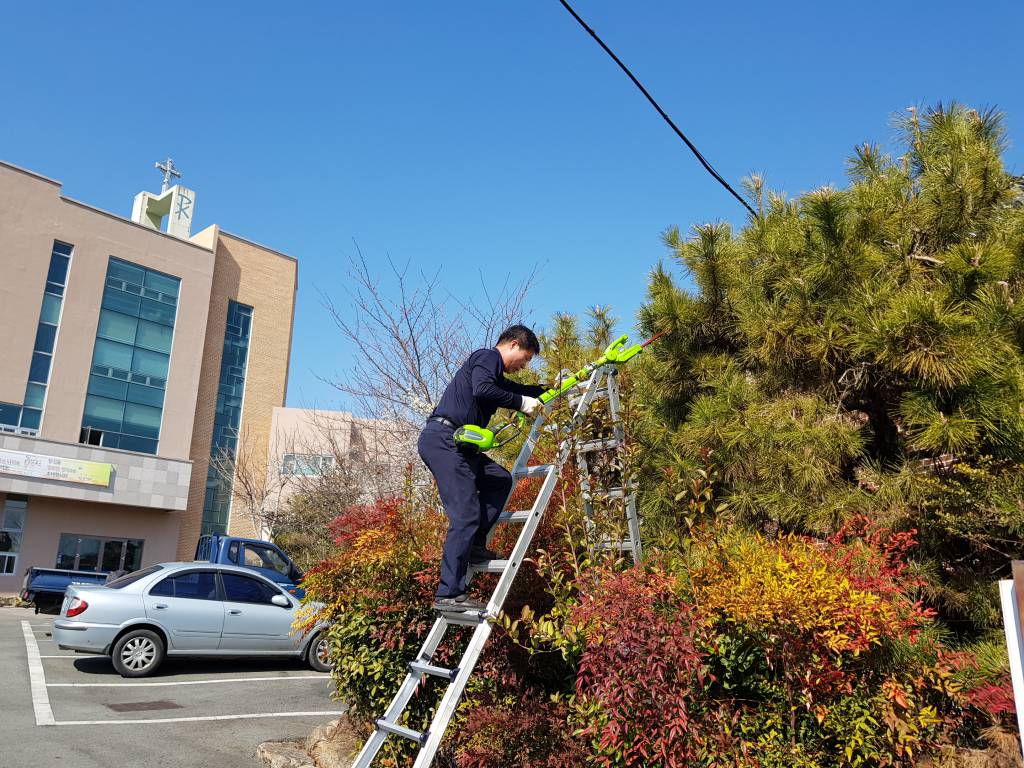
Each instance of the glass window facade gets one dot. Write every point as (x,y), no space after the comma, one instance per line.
(27,417)
(98,553)
(131,359)
(228,418)
(12,526)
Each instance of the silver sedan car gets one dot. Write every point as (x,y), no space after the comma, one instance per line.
(185,609)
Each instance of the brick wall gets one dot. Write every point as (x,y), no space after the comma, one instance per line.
(265,280)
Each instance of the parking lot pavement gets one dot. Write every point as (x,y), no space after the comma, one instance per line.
(73,708)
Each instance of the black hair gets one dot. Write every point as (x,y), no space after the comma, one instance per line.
(527,339)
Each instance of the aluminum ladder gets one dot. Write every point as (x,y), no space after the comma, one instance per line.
(597,538)
(458,677)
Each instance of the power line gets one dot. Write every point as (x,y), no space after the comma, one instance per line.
(708,167)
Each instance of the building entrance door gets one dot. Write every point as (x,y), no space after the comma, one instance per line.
(113,556)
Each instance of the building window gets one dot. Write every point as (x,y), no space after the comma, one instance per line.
(227,418)
(26,418)
(307,464)
(131,359)
(12,526)
(98,553)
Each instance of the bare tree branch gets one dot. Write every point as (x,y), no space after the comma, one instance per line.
(411,340)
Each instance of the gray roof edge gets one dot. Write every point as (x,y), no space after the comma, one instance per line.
(33,174)
(124,220)
(250,241)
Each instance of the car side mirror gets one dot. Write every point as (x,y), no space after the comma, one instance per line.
(281,600)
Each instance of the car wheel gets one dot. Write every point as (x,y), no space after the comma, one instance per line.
(138,653)
(319,654)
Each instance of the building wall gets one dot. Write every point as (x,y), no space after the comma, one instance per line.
(146,493)
(136,480)
(214,267)
(375,452)
(32,215)
(304,431)
(265,280)
(308,430)
(46,519)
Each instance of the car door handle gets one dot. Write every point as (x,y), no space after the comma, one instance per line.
(234,611)
(160,606)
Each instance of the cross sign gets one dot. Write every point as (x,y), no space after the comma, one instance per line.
(168,170)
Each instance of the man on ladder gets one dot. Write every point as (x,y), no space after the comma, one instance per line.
(472,486)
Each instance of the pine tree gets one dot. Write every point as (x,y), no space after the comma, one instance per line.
(857,351)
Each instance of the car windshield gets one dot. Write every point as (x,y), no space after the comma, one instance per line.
(131,578)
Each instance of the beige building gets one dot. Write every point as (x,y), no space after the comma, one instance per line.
(130,356)
(308,444)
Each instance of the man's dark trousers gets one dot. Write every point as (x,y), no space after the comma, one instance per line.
(473,489)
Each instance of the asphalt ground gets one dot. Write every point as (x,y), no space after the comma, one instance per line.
(64,708)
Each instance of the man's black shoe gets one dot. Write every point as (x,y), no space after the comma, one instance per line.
(480,554)
(458,604)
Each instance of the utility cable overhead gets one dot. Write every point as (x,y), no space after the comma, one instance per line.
(707,166)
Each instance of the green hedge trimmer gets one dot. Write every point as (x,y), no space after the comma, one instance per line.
(484,439)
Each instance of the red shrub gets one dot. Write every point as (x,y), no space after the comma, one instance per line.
(994,699)
(644,668)
(529,733)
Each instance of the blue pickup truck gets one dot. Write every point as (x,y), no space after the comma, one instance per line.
(44,587)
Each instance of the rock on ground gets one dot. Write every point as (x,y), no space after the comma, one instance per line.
(332,745)
(284,754)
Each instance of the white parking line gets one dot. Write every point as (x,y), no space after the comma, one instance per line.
(37,679)
(187,682)
(327,713)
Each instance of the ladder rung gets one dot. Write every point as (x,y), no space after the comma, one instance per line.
(623,545)
(465,618)
(489,566)
(398,730)
(515,517)
(540,469)
(430,669)
(599,445)
(601,392)
(607,493)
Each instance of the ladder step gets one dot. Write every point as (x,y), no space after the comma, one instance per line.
(465,619)
(489,566)
(625,544)
(514,517)
(601,392)
(537,471)
(607,493)
(599,445)
(429,669)
(398,730)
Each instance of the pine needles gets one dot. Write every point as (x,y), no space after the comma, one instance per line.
(859,350)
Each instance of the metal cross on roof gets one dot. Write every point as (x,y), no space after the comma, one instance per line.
(168,170)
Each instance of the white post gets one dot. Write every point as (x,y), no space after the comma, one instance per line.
(1010,599)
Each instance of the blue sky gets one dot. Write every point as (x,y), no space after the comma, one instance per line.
(476,136)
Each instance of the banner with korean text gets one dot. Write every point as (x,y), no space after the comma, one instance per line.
(55,468)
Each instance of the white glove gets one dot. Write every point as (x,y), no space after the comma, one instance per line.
(530,405)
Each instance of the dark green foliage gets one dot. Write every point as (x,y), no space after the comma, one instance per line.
(857,350)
